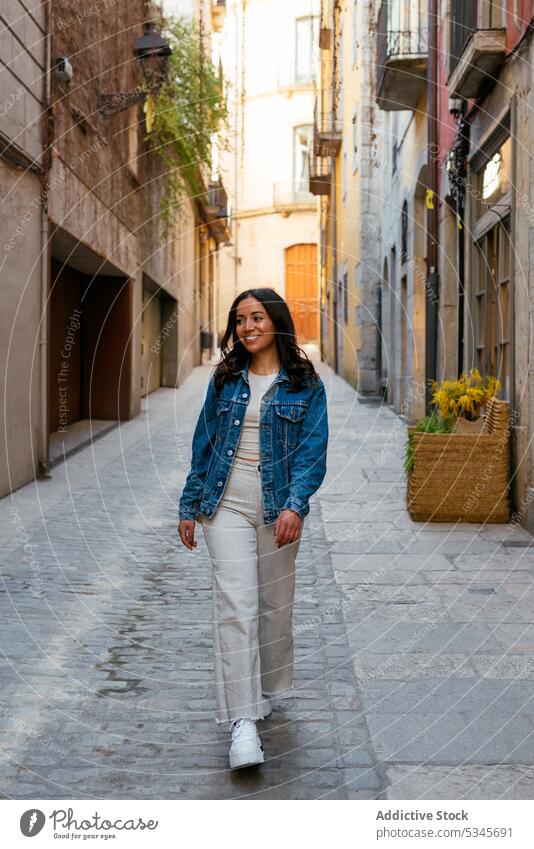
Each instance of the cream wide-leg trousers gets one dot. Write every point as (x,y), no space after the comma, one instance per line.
(253,590)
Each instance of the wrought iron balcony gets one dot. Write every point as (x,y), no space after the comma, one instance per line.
(477,41)
(327,128)
(320,174)
(216,208)
(401,52)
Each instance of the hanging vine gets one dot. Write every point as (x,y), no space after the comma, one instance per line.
(188,112)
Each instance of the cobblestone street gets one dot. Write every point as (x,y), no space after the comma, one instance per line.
(414,668)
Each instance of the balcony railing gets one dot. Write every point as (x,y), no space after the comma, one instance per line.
(218,199)
(401,53)
(327,128)
(216,210)
(320,174)
(477,46)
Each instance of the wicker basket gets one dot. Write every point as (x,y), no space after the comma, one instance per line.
(464,426)
(462,477)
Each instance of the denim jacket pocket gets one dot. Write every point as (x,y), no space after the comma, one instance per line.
(289,417)
(292,411)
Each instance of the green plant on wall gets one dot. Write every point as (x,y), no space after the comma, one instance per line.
(187,113)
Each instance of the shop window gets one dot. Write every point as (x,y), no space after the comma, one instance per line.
(493,178)
(492,266)
(491,313)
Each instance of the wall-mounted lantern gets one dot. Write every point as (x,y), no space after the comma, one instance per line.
(153,53)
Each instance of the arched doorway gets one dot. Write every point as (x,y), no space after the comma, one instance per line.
(302,293)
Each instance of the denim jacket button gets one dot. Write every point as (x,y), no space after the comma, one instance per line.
(229,451)
(219,483)
(236,421)
(244,395)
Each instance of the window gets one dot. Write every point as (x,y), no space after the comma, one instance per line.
(301,168)
(393,127)
(306,49)
(344,178)
(133,140)
(354,142)
(493,13)
(404,232)
(493,179)
(341,75)
(354,52)
(357,286)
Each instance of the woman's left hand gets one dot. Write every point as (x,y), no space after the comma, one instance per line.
(287,527)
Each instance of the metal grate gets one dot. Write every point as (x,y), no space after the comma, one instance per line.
(218,199)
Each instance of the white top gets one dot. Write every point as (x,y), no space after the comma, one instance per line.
(248,447)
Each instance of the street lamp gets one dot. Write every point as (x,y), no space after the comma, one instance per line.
(153,53)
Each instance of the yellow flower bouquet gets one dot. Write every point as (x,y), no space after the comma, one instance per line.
(464,398)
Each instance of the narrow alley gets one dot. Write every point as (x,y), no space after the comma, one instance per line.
(414,642)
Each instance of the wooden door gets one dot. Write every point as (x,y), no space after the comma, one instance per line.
(107,365)
(65,348)
(302,294)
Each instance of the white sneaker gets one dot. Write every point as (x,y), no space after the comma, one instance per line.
(246,748)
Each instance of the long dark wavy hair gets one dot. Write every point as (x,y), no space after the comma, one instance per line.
(295,361)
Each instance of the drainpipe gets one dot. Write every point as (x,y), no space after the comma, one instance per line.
(462,149)
(333,188)
(334,258)
(515,431)
(238,134)
(432,283)
(44,460)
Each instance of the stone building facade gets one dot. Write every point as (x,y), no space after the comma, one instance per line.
(473,307)
(104,307)
(23,265)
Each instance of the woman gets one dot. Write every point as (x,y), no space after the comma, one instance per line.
(258,454)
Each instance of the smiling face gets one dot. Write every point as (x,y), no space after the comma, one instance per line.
(254,327)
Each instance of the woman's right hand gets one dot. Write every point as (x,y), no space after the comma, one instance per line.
(186,530)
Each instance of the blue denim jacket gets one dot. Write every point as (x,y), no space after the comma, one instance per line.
(293,445)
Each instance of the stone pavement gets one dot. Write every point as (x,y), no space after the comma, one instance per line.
(414,642)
